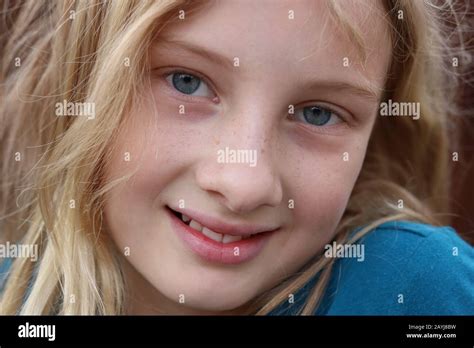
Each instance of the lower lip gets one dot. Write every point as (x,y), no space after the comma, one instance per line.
(210,250)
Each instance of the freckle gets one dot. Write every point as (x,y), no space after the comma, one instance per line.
(217,141)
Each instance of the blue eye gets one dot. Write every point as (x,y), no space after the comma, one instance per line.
(318,116)
(189,84)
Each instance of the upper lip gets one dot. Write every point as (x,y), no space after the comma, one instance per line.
(219,226)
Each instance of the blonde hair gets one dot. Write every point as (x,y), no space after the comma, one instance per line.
(62,159)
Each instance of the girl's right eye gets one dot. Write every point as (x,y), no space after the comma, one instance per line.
(189,84)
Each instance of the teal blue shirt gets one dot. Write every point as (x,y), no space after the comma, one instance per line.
(408,269)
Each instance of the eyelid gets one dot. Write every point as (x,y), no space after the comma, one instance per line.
(335,110)
(173,70)
(333,130)
(336,129)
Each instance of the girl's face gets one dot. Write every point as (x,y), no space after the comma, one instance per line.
(256,121)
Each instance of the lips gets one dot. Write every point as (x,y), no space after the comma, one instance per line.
(216,236)
(217,241)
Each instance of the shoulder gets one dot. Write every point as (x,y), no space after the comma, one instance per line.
(5,264)
(408,269)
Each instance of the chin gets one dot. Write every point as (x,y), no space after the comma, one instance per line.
(208,293)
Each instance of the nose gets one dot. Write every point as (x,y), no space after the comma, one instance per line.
(233,179)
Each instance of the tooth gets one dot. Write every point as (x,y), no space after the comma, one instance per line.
(229,239)
(196,225)
(185,218)
(211,234)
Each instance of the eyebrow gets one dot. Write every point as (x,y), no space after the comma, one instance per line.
(169,43)
(365,92)
(207,54)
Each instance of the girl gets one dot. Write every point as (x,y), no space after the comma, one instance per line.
(228,157)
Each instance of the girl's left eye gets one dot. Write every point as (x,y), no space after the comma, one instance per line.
(189,84)
(318,116)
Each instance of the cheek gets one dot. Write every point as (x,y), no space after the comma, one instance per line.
(325,192)
(154,148)
(158,147)
(321,188)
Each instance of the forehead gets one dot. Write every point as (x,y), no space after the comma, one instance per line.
(303,37)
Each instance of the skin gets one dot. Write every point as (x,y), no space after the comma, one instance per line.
(174,156)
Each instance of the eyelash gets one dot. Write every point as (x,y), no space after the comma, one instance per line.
(332,110)
(190,98)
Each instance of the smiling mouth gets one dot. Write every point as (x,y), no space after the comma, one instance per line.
(227,242)
(218,237)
